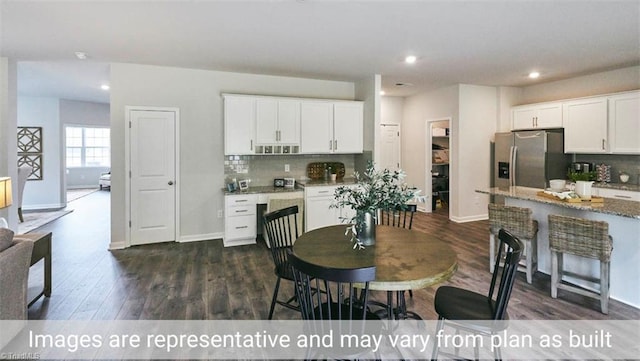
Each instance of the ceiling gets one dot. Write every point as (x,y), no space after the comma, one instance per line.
(471,42)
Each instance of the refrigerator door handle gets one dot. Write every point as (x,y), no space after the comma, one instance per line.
(538,134)
(512,165)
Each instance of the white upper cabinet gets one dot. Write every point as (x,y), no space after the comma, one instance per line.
(316,127)
(537,116)
(348,127)
(277,121)
(624,123)
(332,127)
(585,125)
(239,120)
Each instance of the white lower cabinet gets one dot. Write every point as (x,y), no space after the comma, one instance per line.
(318,212)
(240,219)
(617,193)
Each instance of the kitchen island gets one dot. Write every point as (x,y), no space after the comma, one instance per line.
(623,217)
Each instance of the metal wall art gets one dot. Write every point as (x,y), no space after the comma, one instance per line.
(30,150)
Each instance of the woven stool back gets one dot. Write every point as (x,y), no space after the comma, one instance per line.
(517,220)
(581,237)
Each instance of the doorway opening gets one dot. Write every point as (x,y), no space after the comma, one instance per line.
(437,157)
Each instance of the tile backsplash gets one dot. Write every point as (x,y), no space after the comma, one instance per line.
(262,169)
(629,164)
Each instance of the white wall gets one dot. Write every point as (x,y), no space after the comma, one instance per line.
(471,153)
(8,143)
(507,98)
(368,90)
(392,110)
(197,93)
(593,84)
(83,114)
(44,112)
(438,104)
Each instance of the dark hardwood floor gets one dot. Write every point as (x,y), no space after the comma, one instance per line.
(203,280)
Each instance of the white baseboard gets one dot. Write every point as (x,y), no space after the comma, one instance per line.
(40,207)
(117,245)
(201,237)
(479,217)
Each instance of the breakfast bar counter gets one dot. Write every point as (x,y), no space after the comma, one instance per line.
(623,217)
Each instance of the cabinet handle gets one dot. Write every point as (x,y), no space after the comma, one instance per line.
(241,200)
(619,196)
(335,144)
(251,148)
(242,227)
(603,144)
(330,144)
(323,191)
(242,211)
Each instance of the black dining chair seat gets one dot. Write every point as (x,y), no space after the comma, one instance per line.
(481,313)
(459,304)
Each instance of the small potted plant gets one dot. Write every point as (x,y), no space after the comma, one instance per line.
(583,183)
(375,190)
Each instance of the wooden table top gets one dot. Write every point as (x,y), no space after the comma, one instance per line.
(404,259)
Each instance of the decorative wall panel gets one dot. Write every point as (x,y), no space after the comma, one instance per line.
(30,150)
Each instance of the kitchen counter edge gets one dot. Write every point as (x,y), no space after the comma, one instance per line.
(618,207)
(262,189)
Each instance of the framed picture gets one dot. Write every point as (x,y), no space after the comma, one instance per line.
(243,184)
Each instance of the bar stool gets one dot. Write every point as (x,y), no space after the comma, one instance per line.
(519,222)
(584,238)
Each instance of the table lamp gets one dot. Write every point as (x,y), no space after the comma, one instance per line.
(5,198)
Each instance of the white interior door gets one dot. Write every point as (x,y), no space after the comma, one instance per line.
(390,146)
(153,176)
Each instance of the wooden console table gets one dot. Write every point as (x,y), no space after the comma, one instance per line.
(41,250)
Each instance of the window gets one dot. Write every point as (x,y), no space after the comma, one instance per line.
(88,147)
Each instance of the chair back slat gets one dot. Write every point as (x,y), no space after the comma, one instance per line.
(398,217)
(581,237)
(337,299)
(282,230)
(507,276)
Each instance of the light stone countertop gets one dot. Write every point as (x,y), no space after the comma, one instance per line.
(620,186)
(263,189)
(322,182)
(617,207)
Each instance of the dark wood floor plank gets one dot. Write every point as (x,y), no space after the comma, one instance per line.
(204,280)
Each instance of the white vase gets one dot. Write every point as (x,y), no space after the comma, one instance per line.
(583,189)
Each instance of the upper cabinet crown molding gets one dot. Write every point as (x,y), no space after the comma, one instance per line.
(282,125)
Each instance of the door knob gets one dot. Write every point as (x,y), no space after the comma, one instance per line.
(170,183)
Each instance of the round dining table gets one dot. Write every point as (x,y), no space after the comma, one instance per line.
(404,259)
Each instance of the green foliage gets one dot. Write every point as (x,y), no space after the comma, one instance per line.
(583,176)
(375,190)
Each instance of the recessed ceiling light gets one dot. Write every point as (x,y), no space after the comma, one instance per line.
(382,92)
(410,59)
(104,87)
(81,55)
(534,75)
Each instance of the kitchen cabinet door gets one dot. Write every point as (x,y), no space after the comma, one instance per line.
(624,123)
(239,120)
(289,121)
(617,193)
(347,127)
(538,116)
(318,213)
(585,125)
(266,121)
(316,125)
(277,121)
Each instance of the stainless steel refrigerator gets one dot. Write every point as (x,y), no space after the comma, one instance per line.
(529,158)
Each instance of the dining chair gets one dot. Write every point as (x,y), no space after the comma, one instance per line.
(282,229)
(402,218)
(475,312)
(338,301)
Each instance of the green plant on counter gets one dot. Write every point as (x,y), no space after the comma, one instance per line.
(583,176)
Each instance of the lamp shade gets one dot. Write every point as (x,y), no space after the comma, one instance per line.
(5,192)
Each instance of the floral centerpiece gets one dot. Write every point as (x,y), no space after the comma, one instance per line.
(375,190)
